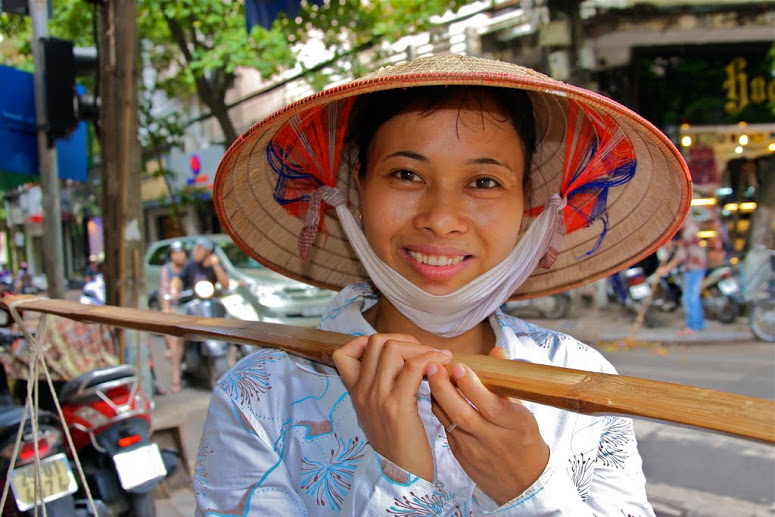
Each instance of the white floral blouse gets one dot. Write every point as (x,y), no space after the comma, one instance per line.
(281,438)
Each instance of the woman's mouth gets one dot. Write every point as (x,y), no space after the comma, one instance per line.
(439,266)
(435,260)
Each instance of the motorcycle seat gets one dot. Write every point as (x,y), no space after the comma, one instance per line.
(11,417)
(84,385)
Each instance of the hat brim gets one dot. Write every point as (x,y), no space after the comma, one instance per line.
(642,214)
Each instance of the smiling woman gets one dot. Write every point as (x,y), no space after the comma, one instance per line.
(430,193)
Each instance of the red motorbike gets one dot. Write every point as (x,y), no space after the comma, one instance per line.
(109,418)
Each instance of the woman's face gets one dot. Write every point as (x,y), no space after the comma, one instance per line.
(442,199)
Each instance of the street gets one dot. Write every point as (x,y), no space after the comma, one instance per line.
(689,472)
(708,474)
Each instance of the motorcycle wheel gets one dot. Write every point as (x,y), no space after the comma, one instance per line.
(762,320)
(556,307)
(216,367)
(142,505)
(727,312)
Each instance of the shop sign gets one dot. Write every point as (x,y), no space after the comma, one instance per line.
(742,90)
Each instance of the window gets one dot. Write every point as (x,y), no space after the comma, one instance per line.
(160,256)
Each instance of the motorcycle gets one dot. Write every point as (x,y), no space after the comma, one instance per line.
(58,483)
(209,359)
(93,292)
(556,306)
(630,288)
(109,418)
(721,295)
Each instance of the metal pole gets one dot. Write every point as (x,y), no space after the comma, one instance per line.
(53,261)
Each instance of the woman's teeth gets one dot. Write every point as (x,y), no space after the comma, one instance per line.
(435,260)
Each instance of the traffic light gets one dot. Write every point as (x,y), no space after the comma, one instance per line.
(59,86)
(64,106)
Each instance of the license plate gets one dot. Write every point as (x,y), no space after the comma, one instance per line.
(729,286)
(640,291)
(56,479)
(139,466)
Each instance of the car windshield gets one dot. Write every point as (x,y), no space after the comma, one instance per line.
(239,258)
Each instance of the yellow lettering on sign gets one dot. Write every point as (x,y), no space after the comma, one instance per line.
(758,90)
(740,92)
(736,86)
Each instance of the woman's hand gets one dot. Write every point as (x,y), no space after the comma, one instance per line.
(383,372)
(497,441)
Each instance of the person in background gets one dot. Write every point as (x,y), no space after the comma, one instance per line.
(694,260)
(91,270)
(168,303)
(204,265)
(24,279)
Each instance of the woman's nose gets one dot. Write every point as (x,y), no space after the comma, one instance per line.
(442,212)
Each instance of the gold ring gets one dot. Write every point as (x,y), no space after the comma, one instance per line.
(450,427)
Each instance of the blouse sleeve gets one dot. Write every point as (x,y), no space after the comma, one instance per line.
(247,476)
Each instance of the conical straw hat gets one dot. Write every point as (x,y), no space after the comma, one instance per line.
(640,215)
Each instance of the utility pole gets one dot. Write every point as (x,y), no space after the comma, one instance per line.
(53,259)
(122,213)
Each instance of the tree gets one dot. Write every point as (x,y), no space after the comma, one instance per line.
(211,41)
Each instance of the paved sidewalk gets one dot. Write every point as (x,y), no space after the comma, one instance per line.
(601,327)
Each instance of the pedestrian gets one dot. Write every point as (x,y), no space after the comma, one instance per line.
(429,193)
(24,279)
(91,270)
(168,302)
(693,258)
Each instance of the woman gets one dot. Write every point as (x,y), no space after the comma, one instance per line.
(472,180)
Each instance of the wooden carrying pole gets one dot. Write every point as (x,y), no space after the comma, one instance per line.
(575,390)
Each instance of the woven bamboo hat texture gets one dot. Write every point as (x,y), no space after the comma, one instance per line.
(627,211)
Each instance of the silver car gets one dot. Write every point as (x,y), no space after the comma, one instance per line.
(255,292)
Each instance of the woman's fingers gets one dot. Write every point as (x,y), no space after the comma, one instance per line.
(371,357)
(494,408)
(348,360)
(498,352)
(411,375)
(451,401)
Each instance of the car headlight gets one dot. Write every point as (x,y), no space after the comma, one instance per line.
(267,296)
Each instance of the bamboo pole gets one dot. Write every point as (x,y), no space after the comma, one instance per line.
(575,390)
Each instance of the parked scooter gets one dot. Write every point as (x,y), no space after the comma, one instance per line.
(720,294)
(109,418)
(556,306)
(206,360)
(722,297)
(630,288)
(58,483)
(93,292)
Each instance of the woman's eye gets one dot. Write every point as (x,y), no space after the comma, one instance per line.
(484,183)
(405,175)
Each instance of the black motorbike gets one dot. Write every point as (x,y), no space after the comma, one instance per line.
(58,482)
(206,360)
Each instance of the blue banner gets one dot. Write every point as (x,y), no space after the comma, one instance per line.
(19,141)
